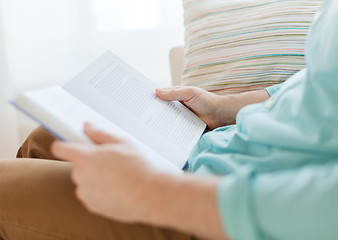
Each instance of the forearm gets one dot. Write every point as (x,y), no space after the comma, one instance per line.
(185,203)
(231,104)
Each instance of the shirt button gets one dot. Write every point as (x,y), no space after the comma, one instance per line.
(268,103)
(233,133)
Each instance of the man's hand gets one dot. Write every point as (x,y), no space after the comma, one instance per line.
(207,106)
(112,178)
(215,111)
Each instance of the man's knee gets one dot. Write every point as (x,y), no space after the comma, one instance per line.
(34,182)
(30,191)
(37,145)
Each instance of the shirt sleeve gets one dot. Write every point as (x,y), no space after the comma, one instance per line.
(273,89)
(293,204)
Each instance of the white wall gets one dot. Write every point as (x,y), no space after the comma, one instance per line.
(49,41)
(8,130)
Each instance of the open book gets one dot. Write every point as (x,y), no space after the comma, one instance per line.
(117,99)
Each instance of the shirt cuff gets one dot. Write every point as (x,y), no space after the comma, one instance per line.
(273,89)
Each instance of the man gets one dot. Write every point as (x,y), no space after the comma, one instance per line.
(273,175)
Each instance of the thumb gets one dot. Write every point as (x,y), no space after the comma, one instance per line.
(98,136)
(176,94)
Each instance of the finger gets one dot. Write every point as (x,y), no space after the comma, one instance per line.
(72,152)
(74,177)
(98,136)
(176,94)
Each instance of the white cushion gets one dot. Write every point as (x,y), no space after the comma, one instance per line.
(239,45)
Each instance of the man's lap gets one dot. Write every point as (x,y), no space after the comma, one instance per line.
(37,201)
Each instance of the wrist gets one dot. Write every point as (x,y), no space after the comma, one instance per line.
(148,199)
(227,110)
(231,104)
(183,202)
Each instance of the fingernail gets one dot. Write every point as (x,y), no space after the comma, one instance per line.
(164,90)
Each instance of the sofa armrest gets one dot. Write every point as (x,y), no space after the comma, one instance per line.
(176,56)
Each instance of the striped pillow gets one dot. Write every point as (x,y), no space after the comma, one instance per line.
(240,45)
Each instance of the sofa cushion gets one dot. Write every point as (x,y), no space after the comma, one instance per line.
(240,45)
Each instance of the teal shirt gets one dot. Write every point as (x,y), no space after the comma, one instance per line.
(279,165)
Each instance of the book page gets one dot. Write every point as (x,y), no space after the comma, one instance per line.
(128,99)
(64,116)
